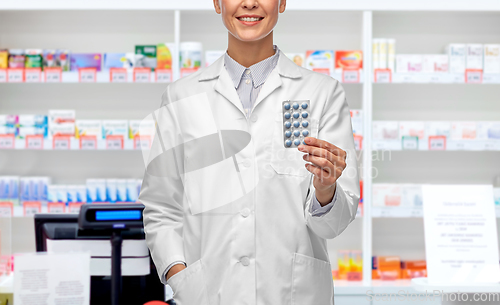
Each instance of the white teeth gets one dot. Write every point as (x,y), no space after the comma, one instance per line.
(249,19)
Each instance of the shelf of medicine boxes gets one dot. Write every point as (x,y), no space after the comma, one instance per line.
(441,144)
(106,77)
(405,212)
(437,78)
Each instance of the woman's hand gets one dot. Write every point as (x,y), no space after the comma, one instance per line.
(327,164)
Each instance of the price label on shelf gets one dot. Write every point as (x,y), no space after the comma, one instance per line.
(383,76)
(34,142)
(31,208)
(437,142)
(87,75)
(350,76)
(142,75)
(74,207)
(473,76)
(163,75)
(114,142)
(56,207)
(409,143)
(6,209)
(7,141)
(61,142)
(142,142)
(15,75)
(416,212)
(118,75)
(3,75)
(88,142)
(32,75)
(53,75)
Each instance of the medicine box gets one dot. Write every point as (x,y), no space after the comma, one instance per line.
(474,57)
(357,122)
(88,128)
(385,194)
(491,59)
(408,63)
(352,60)
(463,130)
(412,129)
(115,128)
(456,58)
(434,63)
(321,61)
(86,60)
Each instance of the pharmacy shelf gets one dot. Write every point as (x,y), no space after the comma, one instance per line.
(451,145)
(72,144)
(439,78)
(405,212)
(106,77)
(316,5)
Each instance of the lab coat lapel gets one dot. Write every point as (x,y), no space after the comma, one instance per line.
(223,83)
(224,86)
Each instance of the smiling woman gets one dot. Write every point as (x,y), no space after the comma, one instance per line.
(249,214)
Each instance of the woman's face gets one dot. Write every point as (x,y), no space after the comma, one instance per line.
(249,20)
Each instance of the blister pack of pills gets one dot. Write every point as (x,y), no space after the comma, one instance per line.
(296,125)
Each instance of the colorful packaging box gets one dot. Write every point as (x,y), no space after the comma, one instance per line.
(434,63)
(132,190)
(118,60)
(463,130)
(438,129)
(16,58)
(148,58)
(4,59)
(8,120)
(141,128)
(121,190)
(61,116)
(491,59)
(85,60)
(386,194)
(88,128)
(348,60)
(297,58)
(96,190)
(456,57)
(320,61)
(376,53)
(412,129)
(474,57)
(9,189)
(408,63)
(115,128)
(63,59)
(34,188)
(34,58)
(488,130)
(164,55)
(391,54)
(382,51)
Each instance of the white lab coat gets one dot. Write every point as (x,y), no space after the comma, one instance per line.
(239,217)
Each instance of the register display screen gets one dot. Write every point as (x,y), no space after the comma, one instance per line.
(117,215)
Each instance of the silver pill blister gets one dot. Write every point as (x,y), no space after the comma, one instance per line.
(296,125)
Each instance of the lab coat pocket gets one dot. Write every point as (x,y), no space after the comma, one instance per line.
(288,161)
(311,281)
(189,286)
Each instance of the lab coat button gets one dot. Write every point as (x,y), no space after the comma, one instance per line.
(245,261)
(247,163)
(254,118)
(245,212)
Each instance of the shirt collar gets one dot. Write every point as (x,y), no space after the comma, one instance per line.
(259,71)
